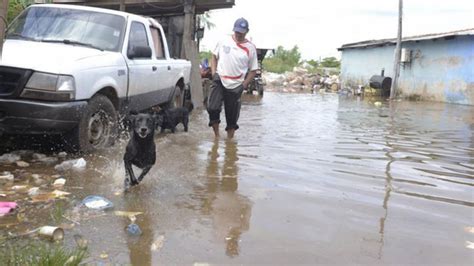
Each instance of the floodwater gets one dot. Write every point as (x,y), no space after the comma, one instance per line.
(309,179)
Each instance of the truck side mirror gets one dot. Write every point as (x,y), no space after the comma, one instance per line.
(139,52)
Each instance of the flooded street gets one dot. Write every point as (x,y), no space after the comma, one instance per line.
(309,179)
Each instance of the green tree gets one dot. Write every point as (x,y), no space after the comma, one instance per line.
(330,62)
(16,6)
(283,60)
(205,54)
(313,63)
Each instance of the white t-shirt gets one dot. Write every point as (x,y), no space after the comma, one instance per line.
(234,60)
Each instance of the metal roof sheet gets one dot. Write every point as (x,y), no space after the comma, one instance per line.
(393,41)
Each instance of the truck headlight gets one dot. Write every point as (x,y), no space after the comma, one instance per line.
(44,86)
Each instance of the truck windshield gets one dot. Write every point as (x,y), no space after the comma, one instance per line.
(69,26)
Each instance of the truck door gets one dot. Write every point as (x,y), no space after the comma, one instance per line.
(165,78)
(142,88)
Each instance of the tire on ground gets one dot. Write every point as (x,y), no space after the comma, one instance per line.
(98,127)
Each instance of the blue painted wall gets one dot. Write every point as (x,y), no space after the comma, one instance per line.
(440,69)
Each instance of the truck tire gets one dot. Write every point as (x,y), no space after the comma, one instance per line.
(98,127)
(177,99)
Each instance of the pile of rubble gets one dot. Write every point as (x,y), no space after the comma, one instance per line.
(300,80)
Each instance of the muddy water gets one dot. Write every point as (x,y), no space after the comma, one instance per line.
(308,179)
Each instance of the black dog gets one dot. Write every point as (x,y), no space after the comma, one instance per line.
(170,118)
(140,149)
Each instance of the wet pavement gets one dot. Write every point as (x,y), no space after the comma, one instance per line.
(309,179)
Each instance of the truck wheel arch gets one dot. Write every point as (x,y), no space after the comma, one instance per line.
(111,94)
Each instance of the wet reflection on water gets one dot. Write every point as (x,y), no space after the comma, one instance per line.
(229,210)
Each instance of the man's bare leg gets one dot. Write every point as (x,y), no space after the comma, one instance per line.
(230,133)
(215,127)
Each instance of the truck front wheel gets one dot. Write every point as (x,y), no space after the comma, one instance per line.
(98,127)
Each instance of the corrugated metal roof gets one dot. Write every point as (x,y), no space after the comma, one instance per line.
(383,42)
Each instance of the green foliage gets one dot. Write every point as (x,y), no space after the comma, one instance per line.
(40,253)
(330,62)
(313,63)
(205,54)
(16,6)
(283,60)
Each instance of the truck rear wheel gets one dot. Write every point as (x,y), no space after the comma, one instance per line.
(98,127)
(177,99)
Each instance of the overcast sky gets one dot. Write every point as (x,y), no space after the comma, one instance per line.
(320,27)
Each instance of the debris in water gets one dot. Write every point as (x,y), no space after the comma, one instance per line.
(19,187)
(158,243)
(9,158)
(5,175)
(52,233)
(77,164)
(49,196)
(127,214)
(33,191)
(97,202)
(59,182)
(22,164)
(469,244)
(133,229)
(6,207)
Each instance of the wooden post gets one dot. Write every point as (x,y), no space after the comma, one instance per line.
(3,24)
(398,48)
(189,51)
(122,5)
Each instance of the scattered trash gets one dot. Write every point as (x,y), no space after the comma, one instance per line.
(97,202)
(52,233)
(62,154)
(49,196)
(469,245)
(22,164)
(9,158)
(59,193)
(103,255)
(59,182)
(158,243)
(133,229)
(33,191)
(127,214)
(38,156)
(77,164)
(19,187)
(5,175)
(469,229)
(81,242)
(378,104)
(6,207)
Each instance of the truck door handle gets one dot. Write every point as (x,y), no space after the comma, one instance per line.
(169,67)
(154,68)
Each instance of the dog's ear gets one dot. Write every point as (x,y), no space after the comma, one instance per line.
(131,118)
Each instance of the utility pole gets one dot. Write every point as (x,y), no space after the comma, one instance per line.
(398,49)
(3,23)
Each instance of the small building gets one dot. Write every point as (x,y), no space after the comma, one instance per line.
(434,67)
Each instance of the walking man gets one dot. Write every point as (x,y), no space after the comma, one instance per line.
(233,65)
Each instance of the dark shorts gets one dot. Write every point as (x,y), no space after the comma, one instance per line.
(231,99)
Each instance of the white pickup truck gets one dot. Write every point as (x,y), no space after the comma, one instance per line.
(75,71)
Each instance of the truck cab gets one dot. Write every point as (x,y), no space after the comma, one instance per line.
(75,70)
